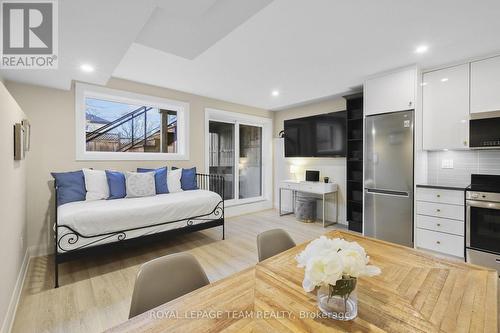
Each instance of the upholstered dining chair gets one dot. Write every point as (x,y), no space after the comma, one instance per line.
(164,279)
(272,242)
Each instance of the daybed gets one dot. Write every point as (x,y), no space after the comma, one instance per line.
(87,228)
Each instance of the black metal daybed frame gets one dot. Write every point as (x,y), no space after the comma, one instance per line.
(214,183)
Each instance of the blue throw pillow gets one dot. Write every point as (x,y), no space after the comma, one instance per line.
(160,179)
(70,186)
(188,179)
(116,184)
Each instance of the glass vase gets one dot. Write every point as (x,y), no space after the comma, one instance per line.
(339,301)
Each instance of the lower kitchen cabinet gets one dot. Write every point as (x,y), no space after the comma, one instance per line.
(440,242)
(440,224)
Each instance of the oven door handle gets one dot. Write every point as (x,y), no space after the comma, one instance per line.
(483,204)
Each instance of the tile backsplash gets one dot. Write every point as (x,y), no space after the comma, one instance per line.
(465,163)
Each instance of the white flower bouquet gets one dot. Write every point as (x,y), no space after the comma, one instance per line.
(334,264)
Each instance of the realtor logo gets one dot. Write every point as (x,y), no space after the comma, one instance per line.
(29,34)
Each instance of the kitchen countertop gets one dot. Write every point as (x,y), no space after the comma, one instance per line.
(415,292)
(443,187)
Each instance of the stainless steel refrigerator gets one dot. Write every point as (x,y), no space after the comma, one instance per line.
(388,183)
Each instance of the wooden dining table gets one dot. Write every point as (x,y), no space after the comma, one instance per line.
(416,292)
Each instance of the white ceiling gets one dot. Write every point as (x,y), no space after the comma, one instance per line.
(187,28)
(240,50)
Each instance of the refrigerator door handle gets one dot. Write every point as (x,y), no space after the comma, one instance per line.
(388,193)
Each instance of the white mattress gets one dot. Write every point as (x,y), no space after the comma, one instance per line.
(91,218)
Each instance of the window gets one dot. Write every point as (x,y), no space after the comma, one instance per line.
(236,150)
(117,125)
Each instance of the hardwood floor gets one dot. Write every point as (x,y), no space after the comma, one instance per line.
(95,292)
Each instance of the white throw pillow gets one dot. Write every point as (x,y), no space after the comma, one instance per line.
(174,180)
(96,184)
(140,184)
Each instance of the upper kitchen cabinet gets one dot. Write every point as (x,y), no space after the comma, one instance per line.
(446,108)
(485,85)
(391,92)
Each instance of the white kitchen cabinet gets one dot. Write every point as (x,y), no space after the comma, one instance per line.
(391,92)
(485,85)
(440,220)
(446,108)
(440,242)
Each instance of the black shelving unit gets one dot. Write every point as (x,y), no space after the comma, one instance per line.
(355,161)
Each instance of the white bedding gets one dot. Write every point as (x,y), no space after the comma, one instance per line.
(91,218)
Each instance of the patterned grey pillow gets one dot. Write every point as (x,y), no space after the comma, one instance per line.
(140,184)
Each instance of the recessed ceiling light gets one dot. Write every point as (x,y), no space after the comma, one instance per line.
(444,79)
(87,68)
(422,49)
(275,93)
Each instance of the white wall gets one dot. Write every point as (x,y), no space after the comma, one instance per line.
(334,168)
(52,115)
(12,208)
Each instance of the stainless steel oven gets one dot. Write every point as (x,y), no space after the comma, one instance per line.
(483,228)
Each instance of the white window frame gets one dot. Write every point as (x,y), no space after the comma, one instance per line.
(83,91)
(267,158)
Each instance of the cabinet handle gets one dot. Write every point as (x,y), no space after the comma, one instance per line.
(465,142)
(439,224)
(438,210)
(410,103)
(439,195)
(438,242)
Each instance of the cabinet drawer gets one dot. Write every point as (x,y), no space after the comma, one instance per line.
(290,185)
(441,210)
(440,196)
(442,225)
(317,187)
(440,242)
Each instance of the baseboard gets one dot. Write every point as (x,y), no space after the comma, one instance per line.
(16,295)
(247,208)
(39,251)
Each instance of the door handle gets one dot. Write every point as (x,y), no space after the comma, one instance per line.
(388,193)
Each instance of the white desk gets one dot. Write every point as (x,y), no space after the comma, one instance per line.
(323,189)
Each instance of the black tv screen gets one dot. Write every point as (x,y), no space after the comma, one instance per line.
(317,136)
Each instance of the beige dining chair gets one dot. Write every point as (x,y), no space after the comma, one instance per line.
(272,242)
(164,279)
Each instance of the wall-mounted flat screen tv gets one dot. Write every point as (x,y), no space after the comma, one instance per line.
(323,135)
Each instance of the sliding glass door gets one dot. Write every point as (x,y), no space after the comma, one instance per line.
(235,151)
(221,154)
